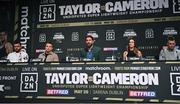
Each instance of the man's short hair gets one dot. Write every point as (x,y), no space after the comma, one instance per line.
(170,38)
(89,36)
(17,42)
(3,30)
(49,43)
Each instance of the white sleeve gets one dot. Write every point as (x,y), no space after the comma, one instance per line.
(8,57)
(25,57)
(161,55)
(178,54)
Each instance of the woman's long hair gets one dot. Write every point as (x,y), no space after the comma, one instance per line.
(136,50)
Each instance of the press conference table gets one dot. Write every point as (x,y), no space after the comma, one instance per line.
(140,81)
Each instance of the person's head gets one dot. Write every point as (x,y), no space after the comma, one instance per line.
(171,43)
(48,47)
(89,40)
(3,36)
(17,46)
(131,43)
(132,46)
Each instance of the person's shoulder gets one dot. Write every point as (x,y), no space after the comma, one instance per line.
(177,50)
(163,49)
(53,53)
(41,54)
(97,48)
(23,52)
(12,53)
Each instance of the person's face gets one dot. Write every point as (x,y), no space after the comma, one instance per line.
(171,44)
(131,43)
(17,47)
(89,41)
(48,48)
(2,36)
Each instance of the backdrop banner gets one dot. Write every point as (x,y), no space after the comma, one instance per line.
(90,81)
(66,23)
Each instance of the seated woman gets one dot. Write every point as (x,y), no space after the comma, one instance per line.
(132,50)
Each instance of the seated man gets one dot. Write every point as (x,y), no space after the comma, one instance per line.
(49,55)
(19,55)
(170,53)
(91,52)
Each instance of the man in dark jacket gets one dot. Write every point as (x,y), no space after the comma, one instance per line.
(91,52)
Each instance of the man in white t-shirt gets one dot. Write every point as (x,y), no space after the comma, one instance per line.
(170,52)
(18,55)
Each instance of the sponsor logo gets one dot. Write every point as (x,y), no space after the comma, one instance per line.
(58,37)
(58,50)
(93,34)
(47,12)
(170,31)
(42,37)
(74,49)
(142,93)
(40,50)
(175,84)
(57,92)
(2,88)
(75,36)
(110,35)
(149,33)
(148,47)
(129,33)
(176,6)
(24,27)
(110,49)
(29,82)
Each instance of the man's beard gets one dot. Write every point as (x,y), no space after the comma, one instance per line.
(17,51)
(88,46)
(170,49)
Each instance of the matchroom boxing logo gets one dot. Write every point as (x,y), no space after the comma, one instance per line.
(175,84)
(29,82)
